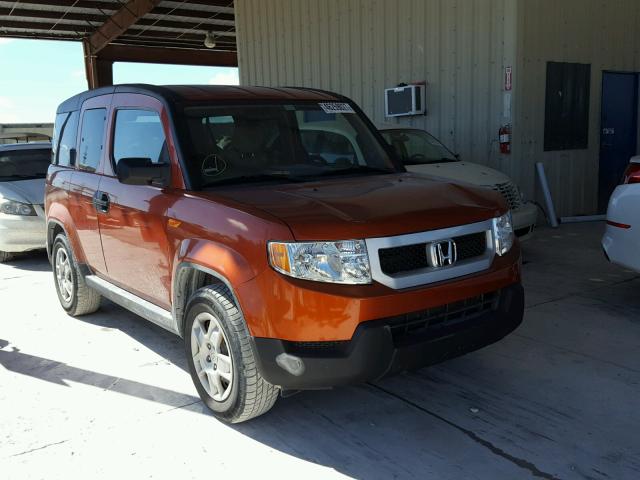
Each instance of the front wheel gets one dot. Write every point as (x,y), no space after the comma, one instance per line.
(221,359)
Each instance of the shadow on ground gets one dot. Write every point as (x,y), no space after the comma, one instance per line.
(30,261)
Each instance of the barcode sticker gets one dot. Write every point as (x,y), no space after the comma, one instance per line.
(336,108)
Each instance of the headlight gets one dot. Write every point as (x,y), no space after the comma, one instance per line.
(336,262)
(503,233)
(11,207)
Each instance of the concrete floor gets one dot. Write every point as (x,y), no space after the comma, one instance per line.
(108,395)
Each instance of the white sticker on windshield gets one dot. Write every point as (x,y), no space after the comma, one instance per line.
(336,108)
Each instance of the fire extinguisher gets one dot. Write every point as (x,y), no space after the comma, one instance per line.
(504,135)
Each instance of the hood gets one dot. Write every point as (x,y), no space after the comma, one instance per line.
(462,172)
(25,191)
(368,206)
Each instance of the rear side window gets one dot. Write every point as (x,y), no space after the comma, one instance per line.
(61,118)
(66,140)
(139,134)
(92,140)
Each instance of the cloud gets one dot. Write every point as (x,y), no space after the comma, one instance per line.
(78,73)
(5,40)
(7,113)
(6,102)
(225,78)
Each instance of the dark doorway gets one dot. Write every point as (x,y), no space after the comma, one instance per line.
(618,130)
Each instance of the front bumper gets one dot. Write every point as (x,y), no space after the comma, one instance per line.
(524,220)
(22,233)
(382,347)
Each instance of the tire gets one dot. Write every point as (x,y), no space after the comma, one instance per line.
(5,257)
(75,296)
(218,344)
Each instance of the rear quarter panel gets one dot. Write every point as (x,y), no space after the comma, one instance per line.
(622,245)
(56,201)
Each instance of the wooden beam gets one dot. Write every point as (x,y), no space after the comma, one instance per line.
(99,71)
(90,65)
(174,56)
(119,22)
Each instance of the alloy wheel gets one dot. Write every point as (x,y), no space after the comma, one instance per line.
(211,356)
(63,275)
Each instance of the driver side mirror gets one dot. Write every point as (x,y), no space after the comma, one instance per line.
(142,171)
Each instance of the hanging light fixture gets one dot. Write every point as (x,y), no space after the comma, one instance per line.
(210,40)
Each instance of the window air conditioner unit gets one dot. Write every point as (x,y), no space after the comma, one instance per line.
(404,100)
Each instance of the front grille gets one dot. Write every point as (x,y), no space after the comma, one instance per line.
(438,321)
(510,193)
(414,257)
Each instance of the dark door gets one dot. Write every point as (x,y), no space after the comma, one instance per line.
(619,130)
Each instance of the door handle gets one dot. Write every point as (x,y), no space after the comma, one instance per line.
(101,201)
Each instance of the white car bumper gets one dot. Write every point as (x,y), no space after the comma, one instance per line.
(621,247)
(621,240)
(20,233)
(524,220)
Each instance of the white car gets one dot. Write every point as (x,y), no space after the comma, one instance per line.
(621,241)
(422,153)
(23,168)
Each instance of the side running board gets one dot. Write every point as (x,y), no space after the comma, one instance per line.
(135,304)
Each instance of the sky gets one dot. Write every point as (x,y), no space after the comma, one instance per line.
(37,75)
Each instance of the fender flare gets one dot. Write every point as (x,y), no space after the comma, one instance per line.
(58,215)
(51,226)
(182,275)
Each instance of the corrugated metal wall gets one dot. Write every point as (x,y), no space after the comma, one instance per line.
(605,34)
(460,47)
(360,47)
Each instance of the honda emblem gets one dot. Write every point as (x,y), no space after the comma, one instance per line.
(442,253)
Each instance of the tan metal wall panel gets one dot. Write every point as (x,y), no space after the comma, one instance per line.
(361,47)
(604,34)
(460,47)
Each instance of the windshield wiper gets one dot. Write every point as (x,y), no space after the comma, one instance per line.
(263,177)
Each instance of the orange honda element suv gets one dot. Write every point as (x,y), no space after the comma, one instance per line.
(277,234)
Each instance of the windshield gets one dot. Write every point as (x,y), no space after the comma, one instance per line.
(416,147)
(24,164)
(284,142)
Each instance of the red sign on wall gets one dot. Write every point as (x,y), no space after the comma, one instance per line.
(507,78)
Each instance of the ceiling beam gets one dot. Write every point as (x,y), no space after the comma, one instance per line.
(105,5)
(175,56)
(118,23)
(186,19)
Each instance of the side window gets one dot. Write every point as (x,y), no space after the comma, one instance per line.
(92,139)
(139,134)
(67,140)
(61,118)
